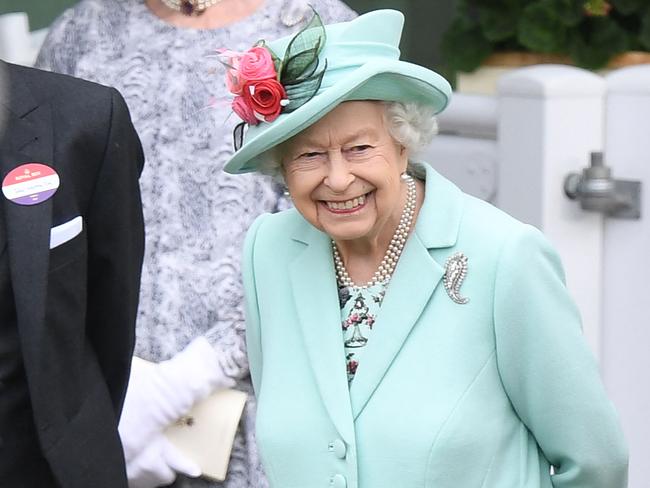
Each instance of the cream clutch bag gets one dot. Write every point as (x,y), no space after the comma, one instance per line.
(206,434)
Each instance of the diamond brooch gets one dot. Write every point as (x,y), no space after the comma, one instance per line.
(455,273)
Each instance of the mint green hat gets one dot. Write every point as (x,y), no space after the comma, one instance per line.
(362,63)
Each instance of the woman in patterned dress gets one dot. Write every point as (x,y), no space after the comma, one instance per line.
(400,332)
(191,311)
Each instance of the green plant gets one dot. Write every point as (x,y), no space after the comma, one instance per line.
(590,32)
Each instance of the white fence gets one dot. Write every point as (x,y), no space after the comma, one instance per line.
(466,148)
(515,150)
(626,268)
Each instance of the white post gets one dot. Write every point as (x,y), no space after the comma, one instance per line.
(626,313)
(15,43)
(551,118)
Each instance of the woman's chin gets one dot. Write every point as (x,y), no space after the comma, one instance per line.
(347,232)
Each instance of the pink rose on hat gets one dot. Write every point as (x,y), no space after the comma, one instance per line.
(252,77)
(234,81)
(243,110)
(257,64)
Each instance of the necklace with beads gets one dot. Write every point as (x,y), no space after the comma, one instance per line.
(189,7)
(389,262)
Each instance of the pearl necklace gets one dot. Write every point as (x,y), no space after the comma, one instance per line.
(190,7)
(389,262)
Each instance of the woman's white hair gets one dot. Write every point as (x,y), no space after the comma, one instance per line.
(412,125)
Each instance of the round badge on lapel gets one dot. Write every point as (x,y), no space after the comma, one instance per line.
(30,184)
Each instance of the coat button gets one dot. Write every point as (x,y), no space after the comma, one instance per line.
(338,448)
(338,481)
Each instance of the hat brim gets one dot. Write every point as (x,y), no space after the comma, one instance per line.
(394,80)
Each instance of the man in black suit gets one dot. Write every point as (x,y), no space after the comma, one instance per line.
(71,245)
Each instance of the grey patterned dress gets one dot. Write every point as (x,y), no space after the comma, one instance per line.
(196,215)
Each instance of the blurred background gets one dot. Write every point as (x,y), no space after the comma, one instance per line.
(41,14)
(548,122)
(426,20)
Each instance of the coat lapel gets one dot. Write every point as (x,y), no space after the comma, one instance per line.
(316,299)
(413,282)
(27,138)
(415,279)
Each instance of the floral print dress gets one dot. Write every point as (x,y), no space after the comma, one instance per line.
(359,308)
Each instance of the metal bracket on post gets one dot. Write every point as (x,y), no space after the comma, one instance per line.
(597,191)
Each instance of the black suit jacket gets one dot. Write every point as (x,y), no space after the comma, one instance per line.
(76,304)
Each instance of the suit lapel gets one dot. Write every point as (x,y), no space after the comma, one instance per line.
(316,299)
(27,138)
(29,123)
(416,278)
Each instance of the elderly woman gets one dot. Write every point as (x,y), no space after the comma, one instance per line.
(400,332)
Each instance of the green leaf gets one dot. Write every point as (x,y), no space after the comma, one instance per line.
(493,4)
(644,33)
(498,24)
(556,26)
(569,12)
(303,50)
(597,41)
(299,66)
(277,62)
(464,47)
(540,29)
(627,7)
(300,93)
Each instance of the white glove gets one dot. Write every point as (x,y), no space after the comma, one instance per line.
(158,464)
(159,394)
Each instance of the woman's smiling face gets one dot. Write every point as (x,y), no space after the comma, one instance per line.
(344,171)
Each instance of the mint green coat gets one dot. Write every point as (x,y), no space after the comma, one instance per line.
(489,394)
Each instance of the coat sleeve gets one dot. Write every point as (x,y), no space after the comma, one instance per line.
(115,250)
(548,371)
(253,332)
